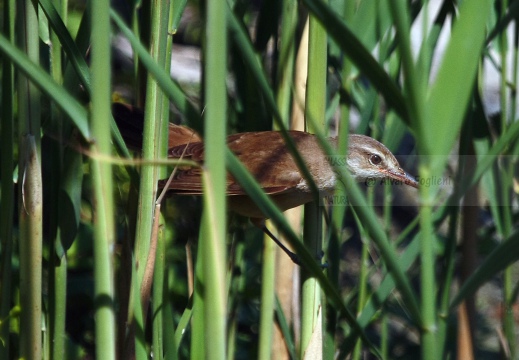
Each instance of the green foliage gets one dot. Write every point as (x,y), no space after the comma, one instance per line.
(105,284)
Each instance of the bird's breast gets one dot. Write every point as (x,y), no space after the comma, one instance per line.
(325,183)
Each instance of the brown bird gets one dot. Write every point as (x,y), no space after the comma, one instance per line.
(267,158)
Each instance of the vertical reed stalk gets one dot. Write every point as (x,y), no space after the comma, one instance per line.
(160,300)
(268,292)
(153,130)
(364,272)
(315,109)
(31,214)
(285,71)
(57,267)
(104,230)
(30,200)
(198,346)
(213,256)
(159,296)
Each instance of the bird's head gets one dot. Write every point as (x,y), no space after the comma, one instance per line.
(369,159)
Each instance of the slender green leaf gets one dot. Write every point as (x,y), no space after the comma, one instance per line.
(74,56)
(45,83)
(360,56)
(448,99)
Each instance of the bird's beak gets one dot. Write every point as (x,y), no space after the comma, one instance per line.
(404,177)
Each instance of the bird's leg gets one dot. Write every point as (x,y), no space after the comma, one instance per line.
(290,254)
(260,223)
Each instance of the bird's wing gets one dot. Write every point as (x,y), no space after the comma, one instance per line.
(266,157)
(264,154)
(187,179)
(181,135)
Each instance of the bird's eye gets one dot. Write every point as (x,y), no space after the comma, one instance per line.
(375,159)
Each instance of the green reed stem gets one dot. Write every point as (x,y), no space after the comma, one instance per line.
(315,109)
(30,201)
(104,228)
(268,292)
(213,256)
